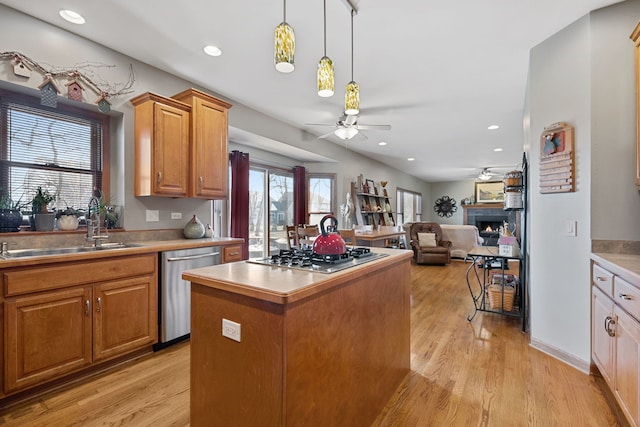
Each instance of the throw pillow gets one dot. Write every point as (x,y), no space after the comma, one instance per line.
(427,240)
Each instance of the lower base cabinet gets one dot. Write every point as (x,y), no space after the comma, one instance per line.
(56,332)
(615,336)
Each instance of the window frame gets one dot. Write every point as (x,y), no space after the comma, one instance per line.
(400,205)
(333,198)
(64,107)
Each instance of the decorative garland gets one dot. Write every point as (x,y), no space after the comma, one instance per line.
(80,74)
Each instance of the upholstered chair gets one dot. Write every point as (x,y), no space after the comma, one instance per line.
(428,245)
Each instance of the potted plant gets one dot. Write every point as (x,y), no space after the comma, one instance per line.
(67,218)
(43,219)
(10,213)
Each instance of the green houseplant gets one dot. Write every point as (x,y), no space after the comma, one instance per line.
(43,219)
(10,213)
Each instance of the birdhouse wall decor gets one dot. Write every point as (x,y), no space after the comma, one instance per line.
(48,92)
(74,90)
(104,106)
(20,68)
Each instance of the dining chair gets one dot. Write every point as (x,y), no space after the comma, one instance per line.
(349,236)
(292,236)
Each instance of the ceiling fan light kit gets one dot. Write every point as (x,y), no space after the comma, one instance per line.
(285,45)
(346,132)
(326,75)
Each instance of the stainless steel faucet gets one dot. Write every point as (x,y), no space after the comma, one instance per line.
(94,223)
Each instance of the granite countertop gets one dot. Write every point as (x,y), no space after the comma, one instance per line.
(141,247)
(626,266)
(284,285)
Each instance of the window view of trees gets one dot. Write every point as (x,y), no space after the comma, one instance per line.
(321,196)
(270,210)
(409,206)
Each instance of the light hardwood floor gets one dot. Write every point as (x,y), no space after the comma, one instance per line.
(479,373)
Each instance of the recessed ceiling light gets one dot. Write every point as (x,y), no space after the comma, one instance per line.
(493,127)
(382,143)
(497,149)
(71,16)
(410,159)
(212,50)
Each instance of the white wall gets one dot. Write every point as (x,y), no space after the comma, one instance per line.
(47,44)
(583,75)
(457,190)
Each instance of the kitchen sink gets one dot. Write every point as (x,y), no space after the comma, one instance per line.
(23,253)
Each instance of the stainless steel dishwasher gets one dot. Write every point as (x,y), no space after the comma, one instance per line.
(175,294)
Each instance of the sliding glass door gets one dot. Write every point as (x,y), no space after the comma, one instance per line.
(270,210)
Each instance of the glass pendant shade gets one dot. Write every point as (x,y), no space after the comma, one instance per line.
(285,47)
(346,132)
(326,77)
(352,99)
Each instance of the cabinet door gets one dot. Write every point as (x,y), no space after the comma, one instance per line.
(209,160)
(125,316)
(602,342)
(170,151)
(47,335)
(627,361)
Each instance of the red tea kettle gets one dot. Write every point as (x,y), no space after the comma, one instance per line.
(329,242)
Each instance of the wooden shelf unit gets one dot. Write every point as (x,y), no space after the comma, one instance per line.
(372,209)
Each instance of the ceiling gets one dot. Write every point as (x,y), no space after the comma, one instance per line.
(438,72)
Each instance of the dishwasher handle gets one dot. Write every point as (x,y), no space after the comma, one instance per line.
(189,257)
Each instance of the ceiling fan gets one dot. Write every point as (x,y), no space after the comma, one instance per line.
(347,127)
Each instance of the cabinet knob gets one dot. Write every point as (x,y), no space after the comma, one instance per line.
(201,181)
(87,307)
(600,279)
(624,296)
(99,306)
(159,177)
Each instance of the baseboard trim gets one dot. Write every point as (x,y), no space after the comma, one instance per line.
(569,359)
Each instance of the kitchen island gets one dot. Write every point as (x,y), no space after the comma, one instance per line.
(311,349)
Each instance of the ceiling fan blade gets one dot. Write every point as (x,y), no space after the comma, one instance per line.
(374,127)
(320,124)
(326,135)
(360,137)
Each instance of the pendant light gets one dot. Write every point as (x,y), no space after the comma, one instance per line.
(352,93)
(326,76)
(285,45)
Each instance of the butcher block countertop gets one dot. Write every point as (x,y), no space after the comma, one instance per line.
(283,285)
(626,266)
(140,247)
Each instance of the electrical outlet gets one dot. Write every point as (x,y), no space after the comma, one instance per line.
(231,330)
(153,216)
(176,215)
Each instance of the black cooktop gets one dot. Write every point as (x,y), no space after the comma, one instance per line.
(306,259)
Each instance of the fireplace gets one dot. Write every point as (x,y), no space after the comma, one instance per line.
(488,217)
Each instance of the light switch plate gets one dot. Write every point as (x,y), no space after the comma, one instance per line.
(570,227)
(176,215)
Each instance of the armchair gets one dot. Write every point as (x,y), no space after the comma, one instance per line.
(432,249)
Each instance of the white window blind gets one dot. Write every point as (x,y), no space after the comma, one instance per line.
(59,150)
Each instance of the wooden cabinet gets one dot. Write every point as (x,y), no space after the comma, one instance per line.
(87,313)
(615,334)
(232,253)
(47,335)
(635,36)
(162,133)
(181,145)
(209,154)
(372,209)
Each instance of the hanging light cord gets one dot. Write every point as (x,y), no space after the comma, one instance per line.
(284,12)
(325,27)
(352,12)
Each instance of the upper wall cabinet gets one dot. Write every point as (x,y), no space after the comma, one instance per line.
(635,36)
(209,152)
(181,145)
(161,146)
